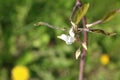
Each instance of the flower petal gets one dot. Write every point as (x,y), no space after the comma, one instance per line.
(68,39)
(71,33)
(63,37)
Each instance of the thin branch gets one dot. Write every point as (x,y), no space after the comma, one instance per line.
(78,1)
(104,19)
(82,59)
(78,4)
(94,23)
(83,55)
(50,26)
(118,10)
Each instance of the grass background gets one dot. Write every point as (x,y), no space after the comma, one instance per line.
(46,56)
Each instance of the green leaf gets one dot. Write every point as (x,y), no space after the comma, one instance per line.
(79,12)
(102,32)
(109,16)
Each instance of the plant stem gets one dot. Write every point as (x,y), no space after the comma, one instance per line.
(50,26)
(83,55)
(94,23)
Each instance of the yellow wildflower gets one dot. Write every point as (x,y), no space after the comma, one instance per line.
(20,73)
(104,59)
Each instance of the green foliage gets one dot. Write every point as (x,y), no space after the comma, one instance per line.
(79,13)
(109,16)
(21,43)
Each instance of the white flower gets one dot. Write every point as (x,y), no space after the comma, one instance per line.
(69,39)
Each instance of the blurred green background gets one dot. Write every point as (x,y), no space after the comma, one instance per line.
(46,56)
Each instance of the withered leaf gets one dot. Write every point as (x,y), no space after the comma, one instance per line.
(102,32)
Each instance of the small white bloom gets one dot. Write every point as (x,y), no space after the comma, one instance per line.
(63,37)
(69,39)
(71,33)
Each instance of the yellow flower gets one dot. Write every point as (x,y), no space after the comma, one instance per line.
(104,59)
(20,73)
